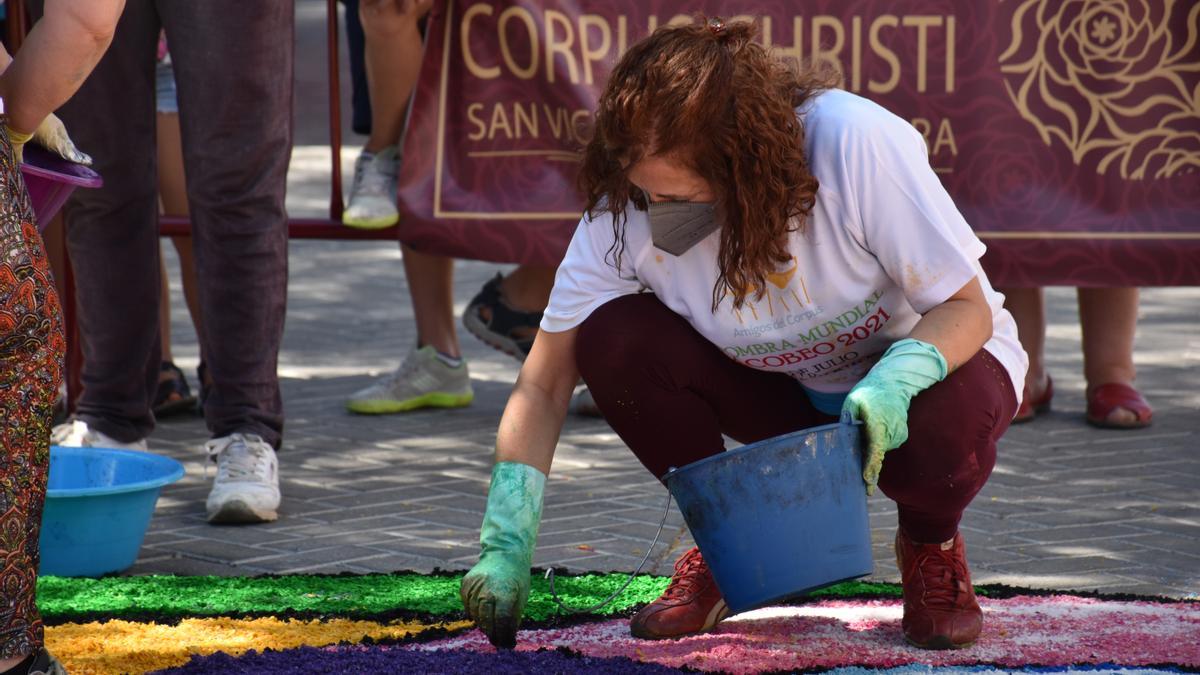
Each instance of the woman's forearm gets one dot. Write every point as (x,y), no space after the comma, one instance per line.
(60,52)
(958,327)
(530,428)
(533,418)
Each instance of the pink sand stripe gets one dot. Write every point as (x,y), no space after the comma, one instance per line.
(1020,631)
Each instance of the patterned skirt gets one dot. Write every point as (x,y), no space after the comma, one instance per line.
(31,368)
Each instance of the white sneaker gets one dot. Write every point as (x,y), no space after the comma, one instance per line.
(76,434)
(422,381)
(372,202)
(246,489)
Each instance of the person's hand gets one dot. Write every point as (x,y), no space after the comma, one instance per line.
(494,592)
(880,400)
(52,135)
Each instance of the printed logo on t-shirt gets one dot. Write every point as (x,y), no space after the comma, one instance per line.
(781,298)
(805,346)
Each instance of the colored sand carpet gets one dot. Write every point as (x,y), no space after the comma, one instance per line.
(414,623)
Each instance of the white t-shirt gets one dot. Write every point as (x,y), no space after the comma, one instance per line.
(883,245)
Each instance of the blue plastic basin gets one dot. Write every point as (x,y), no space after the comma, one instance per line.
(98,505)
(780,517)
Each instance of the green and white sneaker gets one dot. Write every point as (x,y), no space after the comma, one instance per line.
(422,381)
(372,202)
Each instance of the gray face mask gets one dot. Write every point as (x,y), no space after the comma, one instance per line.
(675,227)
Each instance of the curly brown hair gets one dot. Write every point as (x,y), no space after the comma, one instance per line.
(720,102)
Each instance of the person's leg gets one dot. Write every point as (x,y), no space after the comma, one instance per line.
(1028,307)
(1108,319)
(172,192)
(31,377)
(174,394)
(235,102)
(670,394)
(505,314)
(528,287)
(393,60)
(360,98)
(164,315)
(112,234)
(431,287)
(32,347)
(433,374)
(233,70)
(191,287)
(952,431)
(951,448)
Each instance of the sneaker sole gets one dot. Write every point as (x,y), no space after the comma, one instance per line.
(371,223)
(237,511)
(385,406)
(494,340)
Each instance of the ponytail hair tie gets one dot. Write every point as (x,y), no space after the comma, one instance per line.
(717,25)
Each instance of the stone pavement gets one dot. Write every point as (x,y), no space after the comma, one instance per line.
(1068,506)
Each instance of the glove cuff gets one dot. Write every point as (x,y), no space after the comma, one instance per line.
(17,137)
(916,355)
(514,509)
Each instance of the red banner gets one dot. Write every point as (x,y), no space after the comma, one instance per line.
(1067,131)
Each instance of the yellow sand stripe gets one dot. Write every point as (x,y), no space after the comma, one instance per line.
(133,647)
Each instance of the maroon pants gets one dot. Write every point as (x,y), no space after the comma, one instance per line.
(670,394)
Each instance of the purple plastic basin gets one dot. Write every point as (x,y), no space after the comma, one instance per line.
(50,179)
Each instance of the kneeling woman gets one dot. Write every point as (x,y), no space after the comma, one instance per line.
(759,253)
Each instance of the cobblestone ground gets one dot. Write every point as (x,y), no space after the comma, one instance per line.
(1068,506)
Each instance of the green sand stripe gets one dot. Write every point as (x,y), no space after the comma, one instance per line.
(360,596)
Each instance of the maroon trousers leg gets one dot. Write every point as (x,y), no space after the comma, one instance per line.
(670,394)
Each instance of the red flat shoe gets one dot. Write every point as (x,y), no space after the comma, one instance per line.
(1031,408)
(940,609)
(1102,400)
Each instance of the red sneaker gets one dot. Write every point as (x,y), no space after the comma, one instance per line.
(940,611)
(691,604)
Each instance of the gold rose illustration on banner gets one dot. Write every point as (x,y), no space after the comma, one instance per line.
(1116,81)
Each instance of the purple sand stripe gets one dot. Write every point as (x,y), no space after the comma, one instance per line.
(1019,631)
(363,659)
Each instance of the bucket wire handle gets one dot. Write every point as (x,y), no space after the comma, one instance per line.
(609,599)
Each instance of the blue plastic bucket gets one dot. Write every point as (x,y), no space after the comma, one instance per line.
(780,517)
(98,505)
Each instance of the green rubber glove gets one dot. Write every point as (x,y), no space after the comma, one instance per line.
(880,400)
(494,592)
